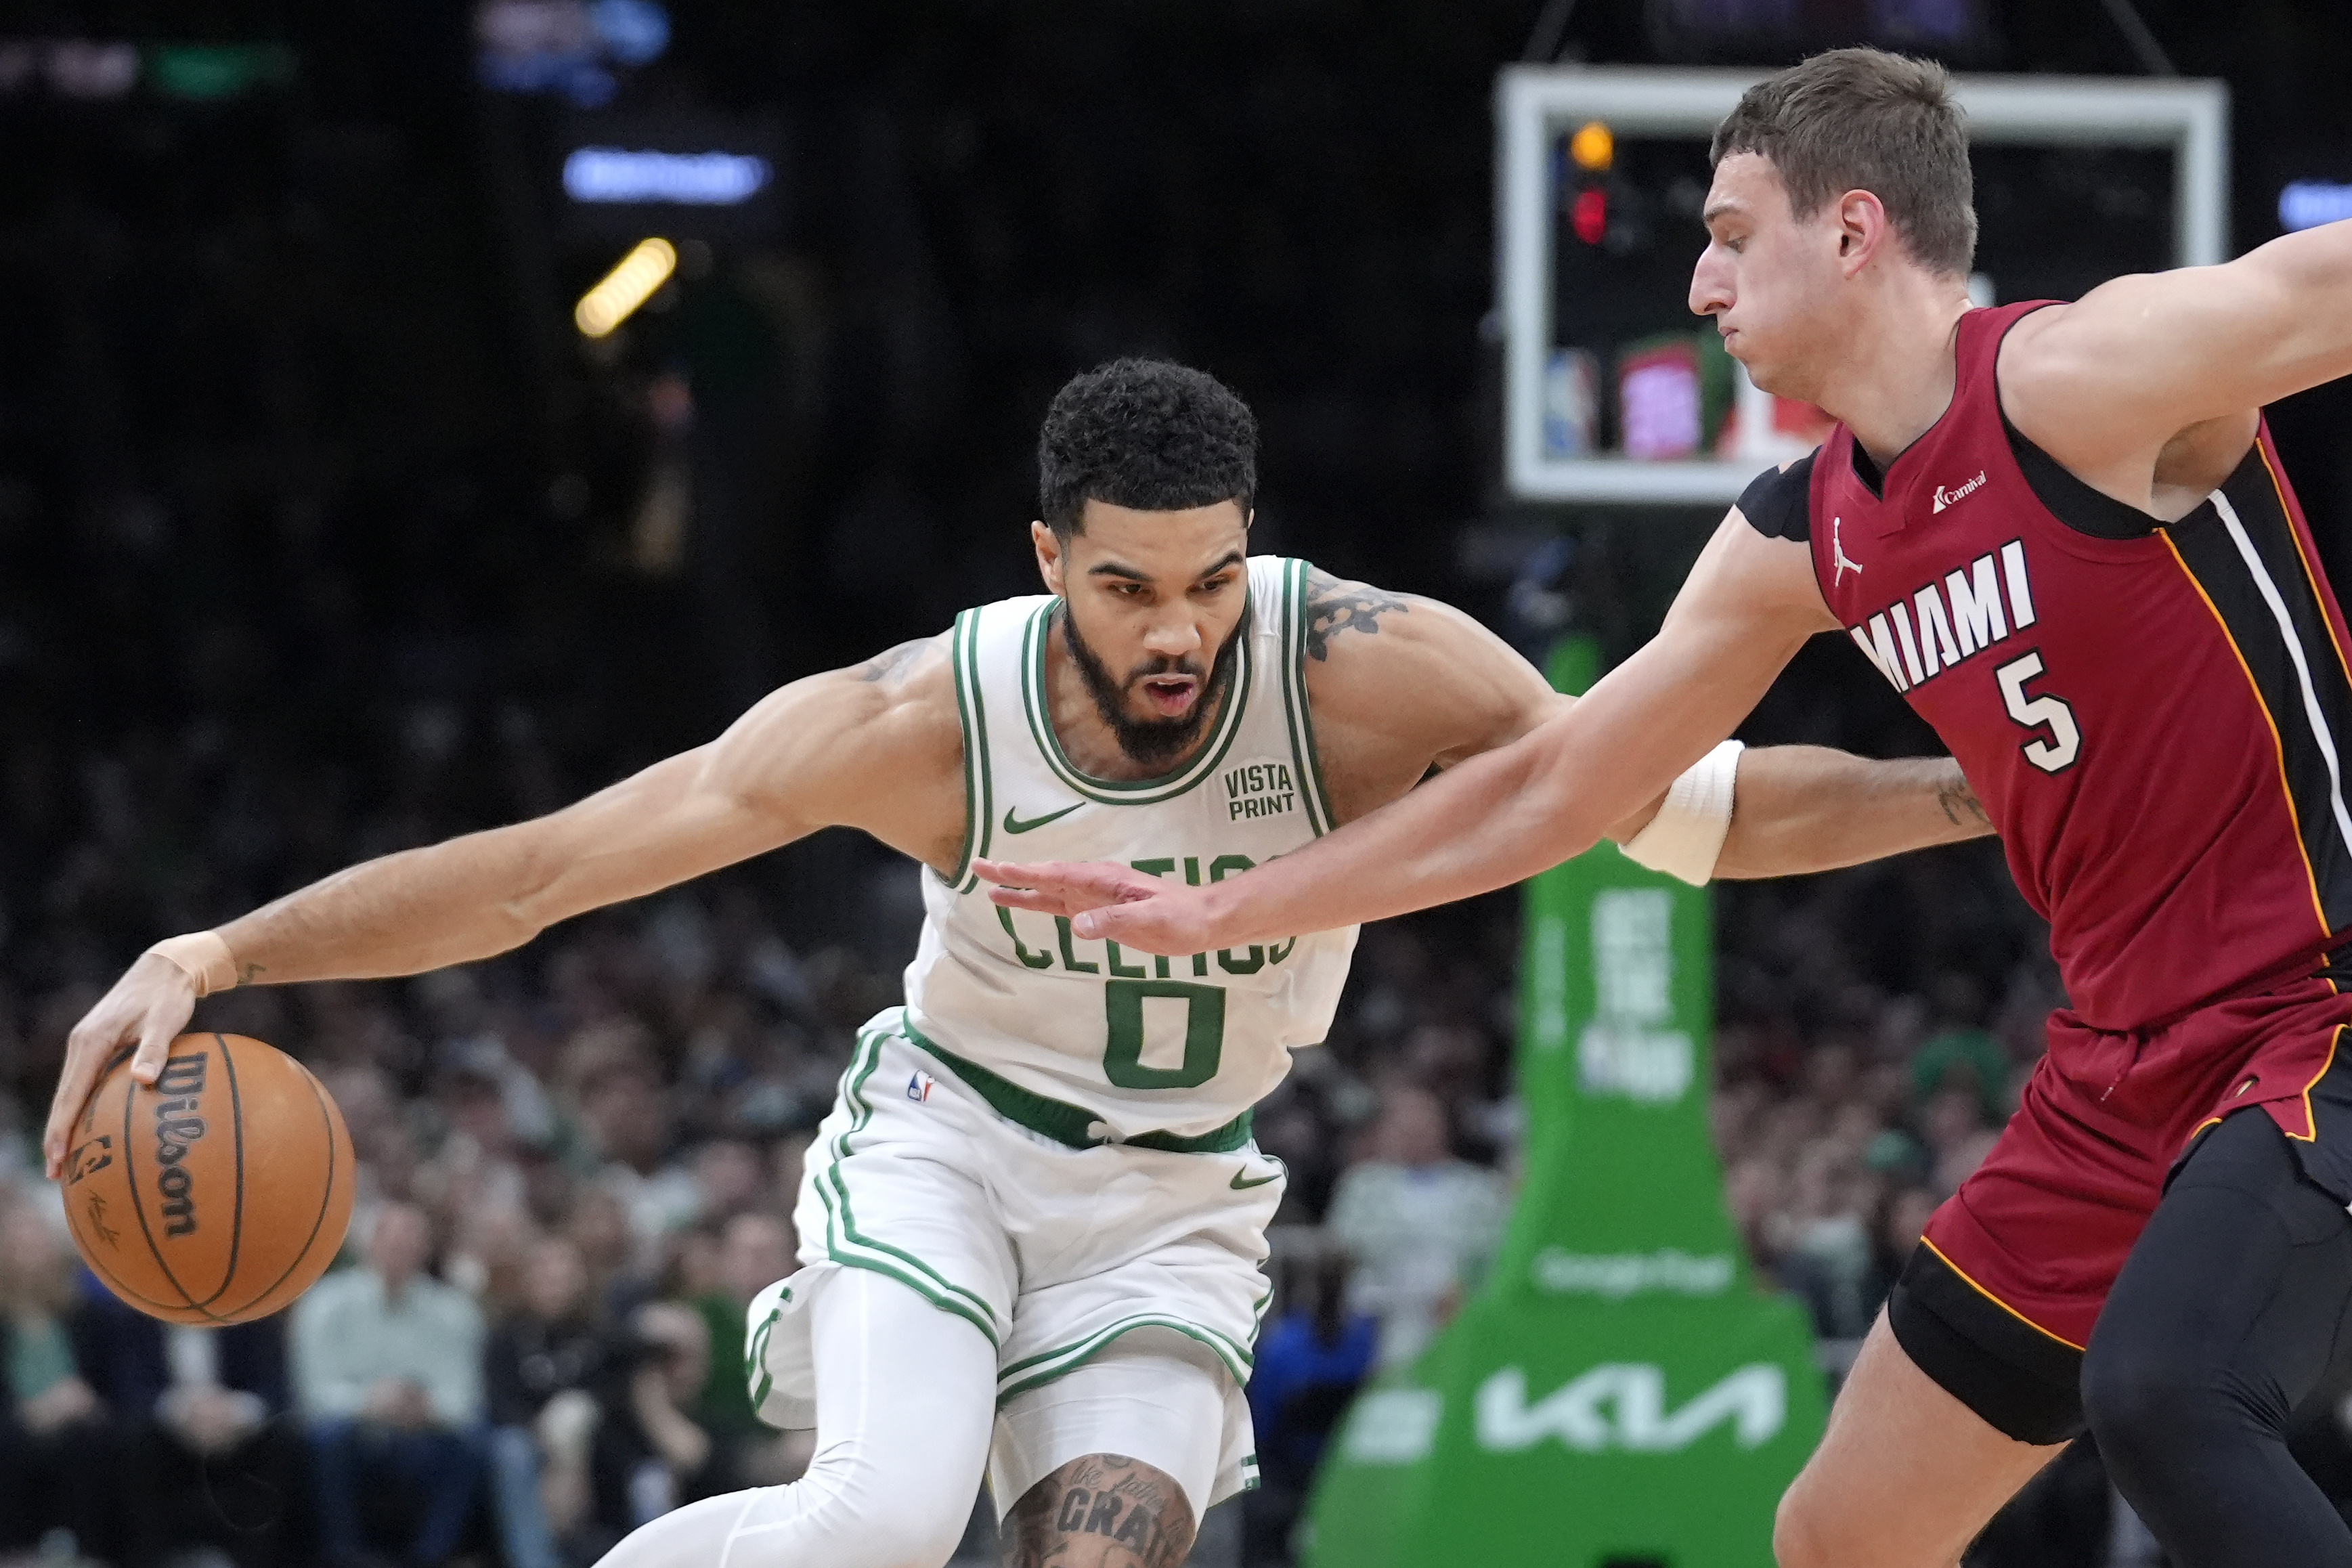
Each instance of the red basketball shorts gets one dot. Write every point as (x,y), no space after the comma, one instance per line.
(2041,1228)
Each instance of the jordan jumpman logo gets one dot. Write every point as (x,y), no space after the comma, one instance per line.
(1838,556)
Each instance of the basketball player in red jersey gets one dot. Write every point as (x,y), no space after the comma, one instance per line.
(2061,532)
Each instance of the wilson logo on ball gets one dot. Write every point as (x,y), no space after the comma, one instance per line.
(177,1128)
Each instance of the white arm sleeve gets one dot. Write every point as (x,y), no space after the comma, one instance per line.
(1686,835)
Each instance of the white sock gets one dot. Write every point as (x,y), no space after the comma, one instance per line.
(906,1398)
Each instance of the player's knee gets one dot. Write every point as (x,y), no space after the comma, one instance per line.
(913,1538)
(2140,1402)
(1805,1534)
(873,1519)
(917,1534)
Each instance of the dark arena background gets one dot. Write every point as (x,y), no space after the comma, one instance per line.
(365,478)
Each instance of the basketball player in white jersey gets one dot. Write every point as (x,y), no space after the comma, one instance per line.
(1032,1227)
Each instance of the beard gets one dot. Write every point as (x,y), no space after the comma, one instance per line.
(1153,741)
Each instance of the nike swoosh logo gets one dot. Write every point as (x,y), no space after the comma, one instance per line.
(1014,825)
(1241,1186)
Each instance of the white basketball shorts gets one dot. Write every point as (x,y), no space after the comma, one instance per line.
(1052,1252)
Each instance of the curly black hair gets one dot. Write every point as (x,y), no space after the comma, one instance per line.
(1146,434)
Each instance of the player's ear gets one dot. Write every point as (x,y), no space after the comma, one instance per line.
(1862,229)
(1048,545)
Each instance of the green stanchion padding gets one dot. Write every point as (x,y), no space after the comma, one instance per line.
(1618,1395)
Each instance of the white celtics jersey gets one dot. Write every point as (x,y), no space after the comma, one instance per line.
(1180,1044)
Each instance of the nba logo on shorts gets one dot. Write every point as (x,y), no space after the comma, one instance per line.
(918,1087)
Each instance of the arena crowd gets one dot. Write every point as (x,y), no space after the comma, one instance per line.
(578,1162)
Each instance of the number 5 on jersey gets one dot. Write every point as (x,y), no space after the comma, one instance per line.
(2057,753)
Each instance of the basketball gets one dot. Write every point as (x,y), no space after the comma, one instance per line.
(218,1195)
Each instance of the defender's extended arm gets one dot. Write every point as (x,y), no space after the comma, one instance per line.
(1750,603)
(1809,809)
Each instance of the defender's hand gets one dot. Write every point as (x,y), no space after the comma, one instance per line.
(1148,914)
(148,1007)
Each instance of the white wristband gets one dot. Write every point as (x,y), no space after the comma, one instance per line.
(204,957)
(1686,835)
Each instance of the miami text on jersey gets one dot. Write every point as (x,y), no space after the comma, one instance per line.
(1945,623)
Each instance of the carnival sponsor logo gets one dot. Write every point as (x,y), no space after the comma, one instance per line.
(1622,1406)
(1946,496)
(1614,1276)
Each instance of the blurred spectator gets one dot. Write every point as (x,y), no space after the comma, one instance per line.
(662,1392)
(1421,1225)
(1901,1224)
(211,1464)
(1953,1126)
(1965,1058)
(755,1251)
(1755,1190)
(550,1369)
(599,1226)
(61,1466)
(729,1178)
(1828,1254)
(388,1373)
(490,1252)
(1311,1362)
(628,1114)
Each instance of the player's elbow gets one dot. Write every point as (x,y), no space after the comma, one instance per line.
(1548,783)
(531,894)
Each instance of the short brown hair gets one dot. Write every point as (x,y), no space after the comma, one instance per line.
(1862,120)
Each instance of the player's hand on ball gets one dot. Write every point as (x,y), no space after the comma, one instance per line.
(149,1005)
(1148,914)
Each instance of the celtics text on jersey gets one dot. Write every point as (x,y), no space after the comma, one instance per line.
(1147,1044)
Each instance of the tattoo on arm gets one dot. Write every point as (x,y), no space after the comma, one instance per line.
(247,973)
(1105,1511)
(892,665)
(1962,805)
(1333,607)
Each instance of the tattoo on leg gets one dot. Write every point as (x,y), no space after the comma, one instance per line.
(1958,798)
(1105,1511)
(1333,607)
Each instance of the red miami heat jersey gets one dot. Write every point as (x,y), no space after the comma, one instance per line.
(2153,715)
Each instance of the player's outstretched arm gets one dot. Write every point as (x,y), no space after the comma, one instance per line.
(1809,809)
(1503,815)
(875,747)
(1796,810)
(2135,375)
